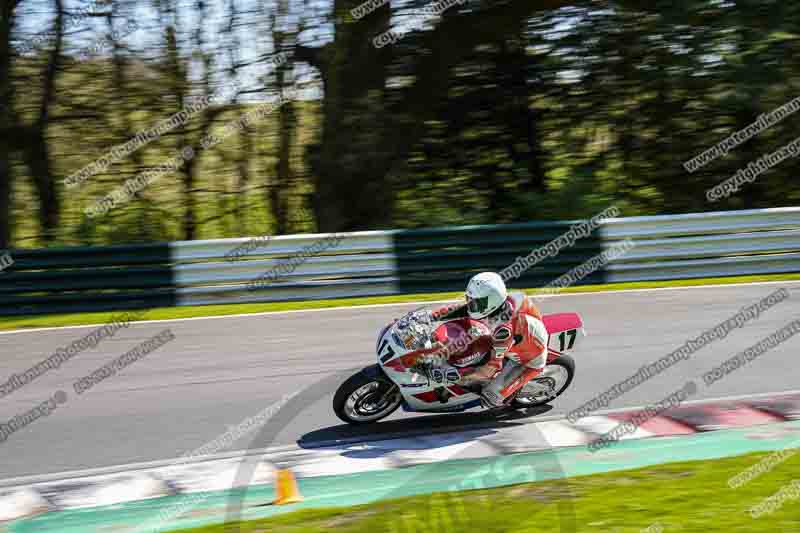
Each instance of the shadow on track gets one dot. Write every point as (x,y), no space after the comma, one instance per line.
(502,470)
(418,426)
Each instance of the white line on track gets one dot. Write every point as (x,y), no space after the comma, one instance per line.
(400,304)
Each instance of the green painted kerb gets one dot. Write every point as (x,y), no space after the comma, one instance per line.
(353,489)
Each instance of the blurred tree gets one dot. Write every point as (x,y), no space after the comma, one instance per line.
(35,145)
(279,189)
(9,121)
(497,111)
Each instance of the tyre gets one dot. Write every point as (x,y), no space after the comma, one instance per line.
(366,397)
(555,379)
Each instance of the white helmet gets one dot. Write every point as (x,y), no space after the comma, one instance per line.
(486,292)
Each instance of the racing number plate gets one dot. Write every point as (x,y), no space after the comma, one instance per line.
(566,339)
(385,351)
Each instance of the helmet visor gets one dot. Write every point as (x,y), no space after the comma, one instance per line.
(477,306)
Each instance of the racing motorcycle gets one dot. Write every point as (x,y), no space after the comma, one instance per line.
(403,377)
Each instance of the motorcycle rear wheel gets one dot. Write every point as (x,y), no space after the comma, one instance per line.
(557,376)
(366,397)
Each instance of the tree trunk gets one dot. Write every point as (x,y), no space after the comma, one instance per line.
(177,74)
(351,164)
(36,150)
(353,189)
(8,119)
(280,188)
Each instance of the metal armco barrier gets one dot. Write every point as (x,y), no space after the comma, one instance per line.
(370,263)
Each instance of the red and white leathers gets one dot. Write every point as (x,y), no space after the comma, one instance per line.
(514,332)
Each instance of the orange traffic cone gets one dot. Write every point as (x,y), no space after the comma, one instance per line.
(286,490)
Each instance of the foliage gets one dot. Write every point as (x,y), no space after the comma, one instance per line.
(497,112)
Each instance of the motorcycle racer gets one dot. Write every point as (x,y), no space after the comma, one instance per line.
(509,325)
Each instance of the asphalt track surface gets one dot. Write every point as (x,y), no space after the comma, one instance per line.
(219,371)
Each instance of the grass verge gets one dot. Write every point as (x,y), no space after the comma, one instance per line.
(689,497)
(80,319)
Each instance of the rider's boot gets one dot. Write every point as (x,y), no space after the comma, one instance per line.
(474,379)
(511,378)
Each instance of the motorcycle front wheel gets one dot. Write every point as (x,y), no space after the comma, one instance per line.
(366,397)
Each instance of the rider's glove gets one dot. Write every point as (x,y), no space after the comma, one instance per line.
(445,374)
